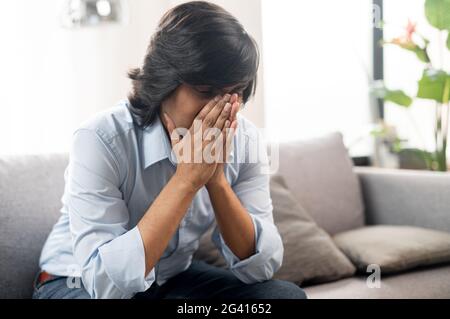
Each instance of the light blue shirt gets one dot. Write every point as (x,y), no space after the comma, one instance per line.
(115,172)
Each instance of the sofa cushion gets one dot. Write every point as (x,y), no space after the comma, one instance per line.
(394,248)
(30,191)
(309,252)
(319,173)
(421,283)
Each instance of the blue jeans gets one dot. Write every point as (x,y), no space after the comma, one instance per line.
(199,281)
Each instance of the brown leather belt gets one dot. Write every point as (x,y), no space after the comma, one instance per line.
(44,277)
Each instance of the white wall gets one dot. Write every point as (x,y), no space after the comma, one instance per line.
(317,63)
(52,78)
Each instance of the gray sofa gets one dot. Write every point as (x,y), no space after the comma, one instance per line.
(400,197)
(31,188)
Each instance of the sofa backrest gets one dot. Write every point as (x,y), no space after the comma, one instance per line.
(30,199)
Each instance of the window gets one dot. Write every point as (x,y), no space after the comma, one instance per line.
(403,70)
(317,64)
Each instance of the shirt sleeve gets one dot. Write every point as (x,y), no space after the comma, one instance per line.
(111,256)
(252,189)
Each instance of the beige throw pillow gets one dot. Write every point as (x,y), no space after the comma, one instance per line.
(310,256)
(394,248)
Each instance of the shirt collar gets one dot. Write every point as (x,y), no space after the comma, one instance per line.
(157,146)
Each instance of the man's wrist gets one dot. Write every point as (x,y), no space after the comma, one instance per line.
(217,183)
(185,185)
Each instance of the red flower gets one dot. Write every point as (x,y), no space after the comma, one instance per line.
(406,41)
(410,30)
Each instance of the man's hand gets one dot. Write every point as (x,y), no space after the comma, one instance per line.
(235,223)
(219,177)
(191,149)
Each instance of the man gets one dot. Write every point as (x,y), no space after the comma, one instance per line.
(137,199)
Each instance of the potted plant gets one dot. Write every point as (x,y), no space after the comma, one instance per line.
(433,85)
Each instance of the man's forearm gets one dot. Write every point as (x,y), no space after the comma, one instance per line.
(235,223)
(162,218)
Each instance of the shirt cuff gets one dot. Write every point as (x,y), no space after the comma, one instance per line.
(233,260)
(124,262)
(264,262)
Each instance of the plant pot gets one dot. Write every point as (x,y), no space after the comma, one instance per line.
(410,158)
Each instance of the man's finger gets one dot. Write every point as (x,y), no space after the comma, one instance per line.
(207,108)
(234,98)
(228,131)
(224,116)
(211,118)
(234,110)
(174,137)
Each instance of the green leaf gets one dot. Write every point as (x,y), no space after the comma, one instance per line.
(396,96)
(448,41)
(422,54)
(438,13)
(434,85)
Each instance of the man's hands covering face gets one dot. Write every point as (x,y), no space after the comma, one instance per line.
(202,150)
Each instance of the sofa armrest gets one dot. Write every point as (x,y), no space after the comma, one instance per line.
(406,197)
